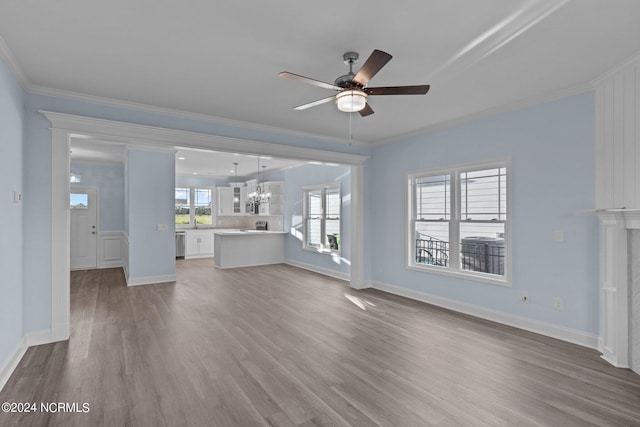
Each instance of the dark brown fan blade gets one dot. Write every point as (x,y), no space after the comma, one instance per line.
(304,79)
(370,68)
(366,111)
(398,90)
(314,103)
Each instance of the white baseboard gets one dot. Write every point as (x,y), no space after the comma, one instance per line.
(363,284)
(150,280)
(111,264)
(29,340)
(199,256)
(574,336)
(11,362)
(316,269)
(39,338)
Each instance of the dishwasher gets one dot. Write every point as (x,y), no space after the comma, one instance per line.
(180,237)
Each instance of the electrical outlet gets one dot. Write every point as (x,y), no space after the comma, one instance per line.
(524,297)
(558,304)
(558,236)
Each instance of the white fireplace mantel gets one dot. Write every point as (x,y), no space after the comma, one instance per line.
(615,258)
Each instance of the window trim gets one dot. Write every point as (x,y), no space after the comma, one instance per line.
(192,207)
(305,191)
(454,234)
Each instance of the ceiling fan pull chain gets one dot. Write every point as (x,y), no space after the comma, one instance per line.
(350,130)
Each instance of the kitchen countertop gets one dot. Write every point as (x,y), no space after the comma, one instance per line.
(246,232)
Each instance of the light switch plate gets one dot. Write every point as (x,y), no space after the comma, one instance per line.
(17,197)
(162,227)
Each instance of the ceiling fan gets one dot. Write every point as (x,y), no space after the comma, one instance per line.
(352,89)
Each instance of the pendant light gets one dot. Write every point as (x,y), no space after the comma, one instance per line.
(236,196)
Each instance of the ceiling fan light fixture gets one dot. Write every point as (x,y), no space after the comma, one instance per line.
(351,101)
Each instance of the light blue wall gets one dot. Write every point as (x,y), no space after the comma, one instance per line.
(110,180)
(37,235)
(151,198)
(308,175)
(553,166)
(11,214)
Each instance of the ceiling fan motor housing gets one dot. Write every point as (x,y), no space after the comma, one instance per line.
(345,80)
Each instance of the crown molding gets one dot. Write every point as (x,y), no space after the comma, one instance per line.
(9,59)
(116,103)
(615,70)
(494,111)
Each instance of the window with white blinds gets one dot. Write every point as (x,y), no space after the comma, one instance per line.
(458,221)
(321,212)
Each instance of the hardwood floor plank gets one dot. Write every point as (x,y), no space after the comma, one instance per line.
(281,346)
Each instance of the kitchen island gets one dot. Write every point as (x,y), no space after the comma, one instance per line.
(245,248)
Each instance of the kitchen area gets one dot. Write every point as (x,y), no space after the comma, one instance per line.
(238,222)
(229,209)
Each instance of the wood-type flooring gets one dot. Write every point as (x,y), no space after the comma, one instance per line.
(281,346)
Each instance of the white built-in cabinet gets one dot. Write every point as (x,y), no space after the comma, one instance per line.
(199,244)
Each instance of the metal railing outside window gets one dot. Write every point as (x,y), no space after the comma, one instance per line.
(432,251)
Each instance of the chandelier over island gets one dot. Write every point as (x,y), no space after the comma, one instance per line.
(259,195)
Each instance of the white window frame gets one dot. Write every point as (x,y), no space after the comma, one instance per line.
(322,248)
(192,207)
(453,268)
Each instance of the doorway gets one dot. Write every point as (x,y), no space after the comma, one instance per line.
(64,126)
(83,208)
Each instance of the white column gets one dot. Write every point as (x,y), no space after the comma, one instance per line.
(60,267)
(357,228)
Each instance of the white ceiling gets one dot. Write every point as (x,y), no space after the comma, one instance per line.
(221,59)
(211,163)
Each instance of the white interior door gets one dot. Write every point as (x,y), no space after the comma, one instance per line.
(84,228)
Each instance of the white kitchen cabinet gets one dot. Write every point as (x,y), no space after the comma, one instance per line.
(252,186)
(199,244)
(231,200)
(225,201)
